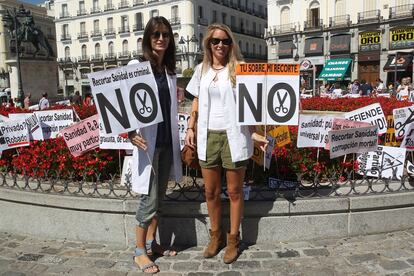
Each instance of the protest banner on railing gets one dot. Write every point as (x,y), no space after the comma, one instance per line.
(33,124)
(353,140)
(117,141)
(372,114)
(386,161)
(182,127)
(267,94)
(408,140)
(82,136)
(339,123)
(53,121)
(126,97)
(313,131)
(280,134)
(126,176)
(13,134)
(3,118)
(390,139)
(402,118)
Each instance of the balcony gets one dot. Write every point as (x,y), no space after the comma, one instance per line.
(110,57)
(64,15)
(138,2)
(137,53)
(369,16)
(260,14)
(310,25)
(124,55)
(110,31)
(123,5)
(225,3)
(138,27)
(404,11)
(339,21)
(203,21)
(83,35)
(65,37)
(95,10)
(109,7)
(123,30)
(81,12)
(83,59)
(175,21)
(283,29)
(51,37)
(96,33)
(152,1)
(96,58)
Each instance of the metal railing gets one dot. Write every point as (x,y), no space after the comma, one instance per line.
(402,11)
(123,5)
(138,2)
(81,12)
(95,10)
(369,16)
(340,21)
(64,15)
(192,186)
(96,33)
(138,27)
(124,54)
(84,58)
(109,7)
(202,21)
(123,30)
(313,24)
(110,31)
(65,37)
(175,21)
(82,35)
(110,56)
(97,57)
(282,29)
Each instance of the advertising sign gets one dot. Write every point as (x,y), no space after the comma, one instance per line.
(402,38)
(369,41)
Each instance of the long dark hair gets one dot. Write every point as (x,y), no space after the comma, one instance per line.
(169,56)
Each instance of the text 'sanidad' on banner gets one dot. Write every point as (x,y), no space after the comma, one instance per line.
(126,97)
(267,94)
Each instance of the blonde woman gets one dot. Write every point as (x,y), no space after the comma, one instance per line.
(221,143)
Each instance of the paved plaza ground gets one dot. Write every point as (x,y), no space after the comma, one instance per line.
(381,254)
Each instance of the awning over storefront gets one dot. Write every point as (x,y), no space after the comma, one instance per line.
(402,63)
(335,69)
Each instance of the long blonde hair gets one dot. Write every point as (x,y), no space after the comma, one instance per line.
(233,56)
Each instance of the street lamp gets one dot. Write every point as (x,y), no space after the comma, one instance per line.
(187,41)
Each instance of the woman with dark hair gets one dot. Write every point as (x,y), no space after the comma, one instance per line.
(157,148)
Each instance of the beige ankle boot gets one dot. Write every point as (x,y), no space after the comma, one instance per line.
(217,242)
(232,249)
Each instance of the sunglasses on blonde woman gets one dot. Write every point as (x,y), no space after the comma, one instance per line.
(157,35)
(216,41)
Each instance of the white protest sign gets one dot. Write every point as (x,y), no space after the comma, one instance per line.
(410,167)
(339,123)
(34,107)
(110,141)
(3,118)
(353,140)
(126,171)
(182,127)
(269,151)
(313,131)
(13,134)
(126,97)
(408,141)
(33,124)
(267,94)
(385,161)
(53,121)
(372,114)
(275,183)
(64,102)
(402,118)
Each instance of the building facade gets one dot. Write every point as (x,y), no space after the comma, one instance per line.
(8,62)
(96,35)
(374,34)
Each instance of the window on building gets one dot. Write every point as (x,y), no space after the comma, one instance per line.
(254,48)
(65,11)
(253,6)
(176,39)
(96,25)
(370,5)
(97,50)
(214,16)
(67,52)
(153,13)
(254,27)
(81,6)
(313,14)
(200,42)
(110,23)
(402,2)
(238,3)
(260,49)
(247,47)
(82,27)
(138,20)
(241,24)
(224,18)
(124,22)
(340,8)
(260,28)
(139,45)
(232,21)
(111,48)
(174,12)
(240,45)
(65,30)
(125,46)
(200,12)
(95,4)
(84,51)
(285,16)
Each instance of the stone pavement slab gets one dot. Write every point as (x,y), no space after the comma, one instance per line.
(381,254)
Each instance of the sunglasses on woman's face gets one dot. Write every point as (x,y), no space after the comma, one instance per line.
(157,35)
(216,41)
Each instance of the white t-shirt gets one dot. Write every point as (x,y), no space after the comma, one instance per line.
(215,109)
(43,103)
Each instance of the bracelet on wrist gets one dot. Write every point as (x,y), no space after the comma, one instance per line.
(190,128)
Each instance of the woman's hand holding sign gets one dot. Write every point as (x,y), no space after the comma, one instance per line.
(138,141)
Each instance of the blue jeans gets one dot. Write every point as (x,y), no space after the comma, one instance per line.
(149,205)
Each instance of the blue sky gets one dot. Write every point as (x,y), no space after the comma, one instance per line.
(32,1)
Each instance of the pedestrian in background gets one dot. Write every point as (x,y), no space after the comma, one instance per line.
(157,147)
(76,99)
(222,144)
(44,102)
(26,101)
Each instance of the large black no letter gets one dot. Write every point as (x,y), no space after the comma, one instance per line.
(244,95)
(150,92)
(104,104)
(292,98)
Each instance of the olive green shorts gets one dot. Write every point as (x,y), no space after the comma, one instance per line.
(218,152)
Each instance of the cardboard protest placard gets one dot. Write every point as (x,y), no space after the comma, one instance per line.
(408,140)
(402,118)
(53,121)
(339,123)
(257,154)
(269,151)
(390,139)
(33,124)
(384,162)
(267,94)
(126,98)
(182,127)
(353,140)
(275,183)
(114,141)
(82,136)
(13,134)
(313,130)
(280,134)
(126,176)
(372,114)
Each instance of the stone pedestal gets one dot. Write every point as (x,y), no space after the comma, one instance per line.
(38,76)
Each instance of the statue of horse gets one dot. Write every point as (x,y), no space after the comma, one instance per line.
(27,32)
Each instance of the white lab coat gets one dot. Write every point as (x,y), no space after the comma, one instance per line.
(142,159)
(240,142)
